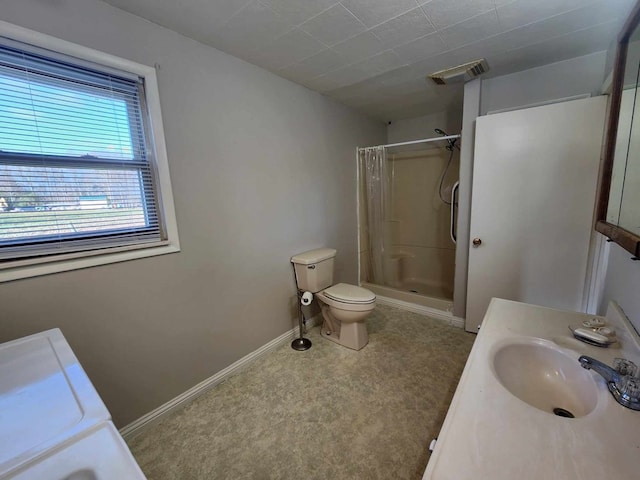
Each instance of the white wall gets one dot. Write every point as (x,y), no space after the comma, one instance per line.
(471,109)
(576,76)
(622,284)
(261,169)
(622,281)
(423,127)
(548,83)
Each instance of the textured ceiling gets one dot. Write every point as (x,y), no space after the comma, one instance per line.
(373,55)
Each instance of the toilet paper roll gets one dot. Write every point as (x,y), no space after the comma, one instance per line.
(307,298)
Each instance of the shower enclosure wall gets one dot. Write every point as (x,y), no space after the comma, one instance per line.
(406,249)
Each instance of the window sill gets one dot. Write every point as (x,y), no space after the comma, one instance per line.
(28,268)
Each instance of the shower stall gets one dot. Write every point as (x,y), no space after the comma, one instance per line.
(407,216)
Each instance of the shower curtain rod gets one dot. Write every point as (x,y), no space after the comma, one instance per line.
(413,142)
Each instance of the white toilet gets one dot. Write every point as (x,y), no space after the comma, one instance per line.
(344,307)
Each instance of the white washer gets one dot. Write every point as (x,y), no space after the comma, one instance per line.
(53,423)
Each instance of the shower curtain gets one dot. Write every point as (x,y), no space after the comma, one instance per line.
(374,162)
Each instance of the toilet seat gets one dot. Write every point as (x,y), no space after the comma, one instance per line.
(349,294)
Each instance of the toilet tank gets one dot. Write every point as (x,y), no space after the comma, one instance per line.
(314,269)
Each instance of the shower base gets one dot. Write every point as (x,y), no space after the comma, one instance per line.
(423,288)
(424,295)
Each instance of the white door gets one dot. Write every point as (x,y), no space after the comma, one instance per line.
(534,184)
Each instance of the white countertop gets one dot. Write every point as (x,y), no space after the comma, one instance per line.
(490,434)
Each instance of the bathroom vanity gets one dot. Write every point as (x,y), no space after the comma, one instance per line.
(508,418)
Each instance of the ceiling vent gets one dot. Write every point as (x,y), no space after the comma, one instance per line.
(461,73)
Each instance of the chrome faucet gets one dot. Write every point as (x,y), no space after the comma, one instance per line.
(624,387)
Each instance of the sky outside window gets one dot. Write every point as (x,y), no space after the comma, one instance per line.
(41,118)
(45,116)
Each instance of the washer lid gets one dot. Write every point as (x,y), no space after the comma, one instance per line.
(45,397)
(98,453)
(343,292)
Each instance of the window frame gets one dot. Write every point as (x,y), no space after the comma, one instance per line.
(36,266)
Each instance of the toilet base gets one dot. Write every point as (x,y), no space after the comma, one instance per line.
(351,335)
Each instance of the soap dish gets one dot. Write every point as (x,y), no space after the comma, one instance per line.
(599,336)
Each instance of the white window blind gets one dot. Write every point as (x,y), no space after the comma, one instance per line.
(76,166)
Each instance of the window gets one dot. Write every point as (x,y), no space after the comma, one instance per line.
(79,173)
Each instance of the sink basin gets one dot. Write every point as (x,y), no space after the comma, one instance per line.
(538,373)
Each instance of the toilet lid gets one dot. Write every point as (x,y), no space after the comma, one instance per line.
(343,292)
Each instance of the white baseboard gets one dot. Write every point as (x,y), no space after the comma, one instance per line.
(448,317)
(138,426)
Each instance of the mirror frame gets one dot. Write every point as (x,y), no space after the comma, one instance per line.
(626,239)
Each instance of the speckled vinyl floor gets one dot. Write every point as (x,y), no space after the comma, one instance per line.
(327,413)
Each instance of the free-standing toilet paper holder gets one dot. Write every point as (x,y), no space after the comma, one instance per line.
(301,343)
